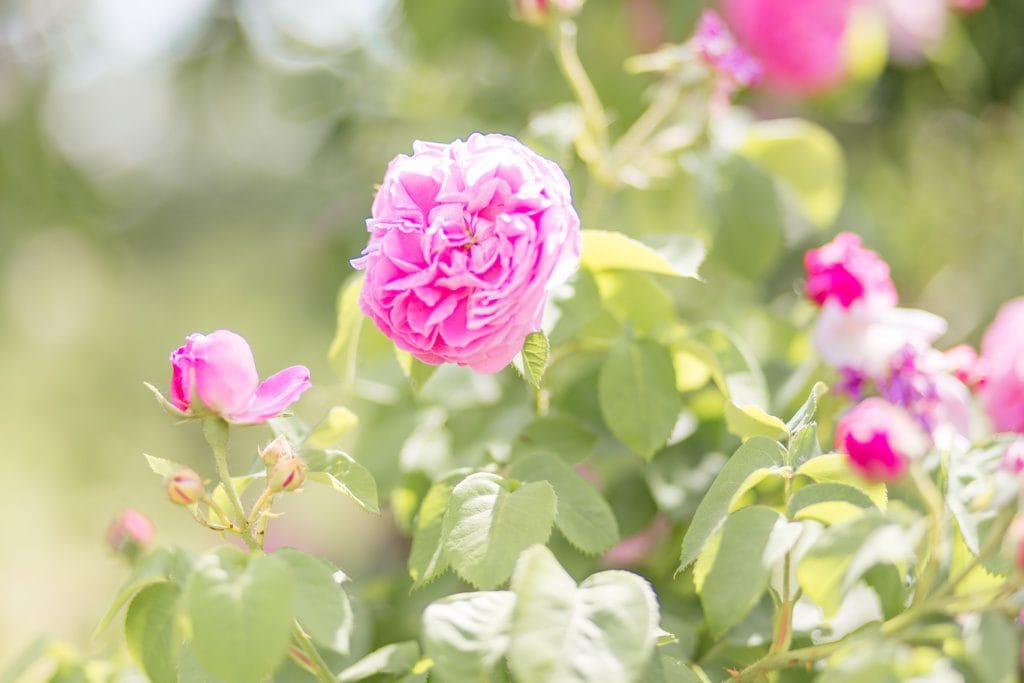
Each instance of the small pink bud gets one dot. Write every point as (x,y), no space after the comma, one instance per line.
(287,474)
(966,366)
(538,12)
(1014,541)
(1013,458)
(185,487)
(879,439)
(276,450)
(845,272)
(967,5)
(129,532)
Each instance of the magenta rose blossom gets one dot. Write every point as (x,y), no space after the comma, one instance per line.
(218,369)
(801,44)
(1002,357)
(879,439)
(845,272)
(465,242)
(717,48)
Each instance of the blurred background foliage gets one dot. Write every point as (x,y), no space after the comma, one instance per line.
(185,165)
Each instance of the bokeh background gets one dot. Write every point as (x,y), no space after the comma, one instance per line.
(172,166)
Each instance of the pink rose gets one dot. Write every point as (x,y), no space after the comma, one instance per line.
(716,47)
(846,272)
(967,5)
(466,240)
(800,43)
(219,370)
(129,532)
(1002,355)
(879,439)
(966,366)
(1013,458)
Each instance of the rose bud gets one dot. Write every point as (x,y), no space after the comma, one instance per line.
(129,532)
(845,272)
(185,487)
(216,374)
(277,449)
(879,439)
(287,474)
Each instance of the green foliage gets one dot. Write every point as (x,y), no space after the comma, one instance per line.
(563,435)
(426,557)
(150,628)
(340,472)
(638,395)
(396,658)
(336,425)
(467,634)
(602,631)
(582,515)
(490,520)
(535,357)
(321,605)
(342,352)
(605,250)
(240,611)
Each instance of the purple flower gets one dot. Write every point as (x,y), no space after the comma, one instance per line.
(717,48)
(466,240)
(219,371)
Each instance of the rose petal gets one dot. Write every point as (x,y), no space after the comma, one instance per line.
(274,395)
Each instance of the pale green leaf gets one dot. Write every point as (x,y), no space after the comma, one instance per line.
(583,516)
(342,352)
(415,370)
(487,525)
(426,557)
(991,644)
(535,357)
(805,414)
(467,635)
(739,574)
(605,250)
(338,423)
(833,467)
(750,420)
(396,658)
(828,503)
(755,454)
(603,631)
(321,605)
(638,396)
(561,434)
(150,634)
(805,160)
(241,612)
(161,466)
(158,566)
(803,445)
(340,472)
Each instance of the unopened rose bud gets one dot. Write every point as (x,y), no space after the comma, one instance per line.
(276,450)
(538,12)
(879,439)
(185,487)
(129,532)
(287,474)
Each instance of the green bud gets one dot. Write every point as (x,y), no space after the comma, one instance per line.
(287,474)
(276,450)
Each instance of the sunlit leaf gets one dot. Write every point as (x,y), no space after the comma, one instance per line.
(467,634)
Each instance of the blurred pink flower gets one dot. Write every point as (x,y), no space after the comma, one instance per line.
(129,532)
(1002,354)
(879,439)
(914,28)
(966,366)
(718,49)
(466,240)
(844,271)
(799,43)
(637,548)
(538,11)
(967,5)
(219,370)
(1013,459)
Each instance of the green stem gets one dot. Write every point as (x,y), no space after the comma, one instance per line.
(772,662)
(316,665)
(932,499)
(665,101)
(783,635)
(216,432)
(992,543)
(594,118)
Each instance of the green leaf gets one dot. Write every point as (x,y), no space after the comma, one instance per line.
(828,503)
(603,631)
(806,161)
(751,230)
(488,524)
(149,629)
(340,472)
(161,466)
(635,298)
(604,250)
(739,574)
(339,422)
(832,467)
(583,516)
(561,434)
(168,407)
(467,634)
(991,644)
(759,453)
(342,352)
(426,558)
(415,370)
(535,357)
(664,668)
(805,414)
(803,445)
(321,605)
(637,394)
(160,565)
(750,421)
(241,611)
(844,552)
(396,658)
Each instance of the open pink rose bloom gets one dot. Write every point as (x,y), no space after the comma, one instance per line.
(218,369)
(466,240)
